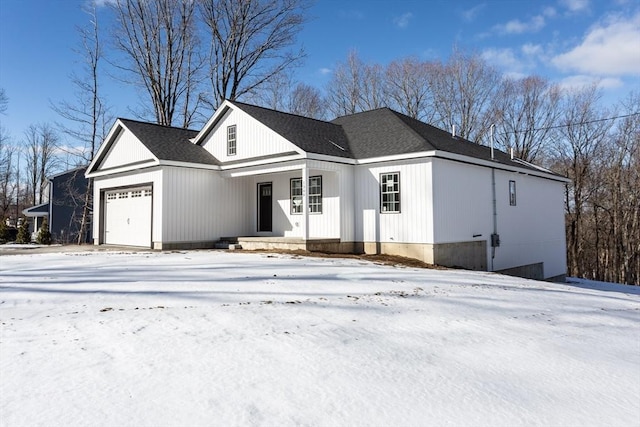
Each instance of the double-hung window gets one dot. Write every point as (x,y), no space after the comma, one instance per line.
(315,195)
(296,195)
(231,140)
(512,193)
(390,192)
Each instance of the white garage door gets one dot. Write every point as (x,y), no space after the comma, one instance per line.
(128,217)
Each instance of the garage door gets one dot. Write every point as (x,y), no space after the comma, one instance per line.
(128,217)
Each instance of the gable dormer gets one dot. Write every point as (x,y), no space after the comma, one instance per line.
(233,135)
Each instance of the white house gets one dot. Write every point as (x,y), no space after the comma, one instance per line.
(372,182)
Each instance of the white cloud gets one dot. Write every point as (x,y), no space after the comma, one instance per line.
(325,71)
(470,15)
(503,59)
(101,3)
(517,26)
(402,21)
(549,12)
(575,5)
(610,49)
(530,49)
(580,81)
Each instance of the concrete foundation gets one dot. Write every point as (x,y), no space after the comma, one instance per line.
(529,271)
(470,255)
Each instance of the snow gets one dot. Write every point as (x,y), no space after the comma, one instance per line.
(221,338)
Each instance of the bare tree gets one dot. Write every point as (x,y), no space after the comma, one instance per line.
(250,42)
(158,39)
(40,147)
(408,88)
(581,138)
(307,101)
(525,112)
(7,173)
(88,115)
(4,101)
(463,89)
(344,91)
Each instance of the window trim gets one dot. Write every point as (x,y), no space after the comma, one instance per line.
(382,193)
(291,195)
(232,147)
(513,200)
(319,195)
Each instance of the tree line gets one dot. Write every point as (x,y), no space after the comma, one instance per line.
(185,57)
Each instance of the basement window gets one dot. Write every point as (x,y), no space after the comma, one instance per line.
(512,193)
(231,140)
(390,192)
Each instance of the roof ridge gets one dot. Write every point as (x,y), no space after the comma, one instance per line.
(124,119)
(282,112)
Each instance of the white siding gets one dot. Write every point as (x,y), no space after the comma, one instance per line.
(253,139)
(203,206)
(530,232)
(321,225)
(462,202)
(126,149)
(533,230)
(153,176)
(414,223)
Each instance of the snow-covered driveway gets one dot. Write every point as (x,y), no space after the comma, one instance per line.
(206,338)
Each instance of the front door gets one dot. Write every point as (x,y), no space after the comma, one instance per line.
(265,209)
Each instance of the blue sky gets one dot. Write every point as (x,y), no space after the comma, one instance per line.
(567,41)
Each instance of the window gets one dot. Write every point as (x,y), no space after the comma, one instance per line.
(123,195)
(148,193)
(390,192)
(512,193)
(137,193)
(296,195)
(111,196)
(231,140)
(315,195)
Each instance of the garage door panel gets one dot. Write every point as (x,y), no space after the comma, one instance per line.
(128,217)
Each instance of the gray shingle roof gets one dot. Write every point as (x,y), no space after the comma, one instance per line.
(369,134)
(170,143)
(385,132)
(312,136)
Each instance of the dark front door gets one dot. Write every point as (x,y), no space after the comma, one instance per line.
(265,212)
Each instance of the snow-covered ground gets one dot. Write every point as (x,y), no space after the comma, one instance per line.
(209,338)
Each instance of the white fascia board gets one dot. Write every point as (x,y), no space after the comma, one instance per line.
(287,166)
(188,165)
(259,163)
(116,126)
(501,166)
(395,157)
(332,159)
(222,109)
(121,169)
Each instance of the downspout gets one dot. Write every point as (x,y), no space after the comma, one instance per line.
(495,238)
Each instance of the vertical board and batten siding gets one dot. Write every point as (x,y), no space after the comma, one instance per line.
(462,202)
(203,206)
(127,180)
(126,149)
(533,230)
(414,223)
(530,232)
(253,139)
(321,225)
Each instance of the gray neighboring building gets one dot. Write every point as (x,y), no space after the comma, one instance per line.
(66,192)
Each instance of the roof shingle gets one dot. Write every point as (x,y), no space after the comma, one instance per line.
(170,143)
